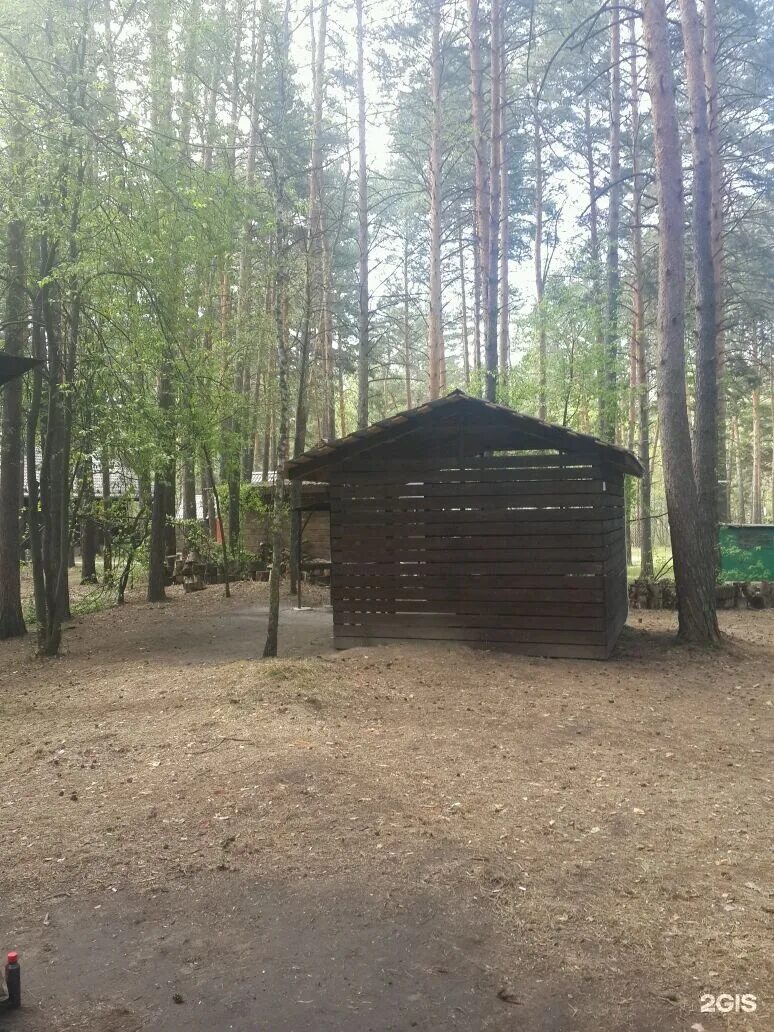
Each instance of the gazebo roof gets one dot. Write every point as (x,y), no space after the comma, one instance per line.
(482,424)
(12,366)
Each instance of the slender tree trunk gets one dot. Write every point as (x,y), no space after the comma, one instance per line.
(539,281)
(705,430)
(88,526)
(363,348)
(107,530)
(33,487)
(640,334)
(270,648)
(593,207)
(326,336)
(245,307)
(282,352)
(608,417)
(435,347)
(189,489)
(716,186)
(693,564)
(464,313)
(342,406)
(54,474)
(596,291)
(504,341)
(755,490)
(495,154)
(11,616)
(163,481)
(406,322)
(737,445)
(481,180)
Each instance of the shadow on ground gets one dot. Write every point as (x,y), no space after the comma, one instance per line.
(318,955)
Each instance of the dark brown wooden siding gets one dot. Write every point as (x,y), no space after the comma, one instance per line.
(520,552)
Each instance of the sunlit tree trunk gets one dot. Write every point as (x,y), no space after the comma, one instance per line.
(739,466)
(464,314)
(504,341)
(481,180)
(363,347)
(756,485)
(718,250)
(406,319)
(640,334)
(693,563)
(608,416)
(539,277)
(495,181)
(435,348)
(16,319)
(705,429)
(282,349)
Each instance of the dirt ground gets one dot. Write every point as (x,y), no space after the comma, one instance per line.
(386,839)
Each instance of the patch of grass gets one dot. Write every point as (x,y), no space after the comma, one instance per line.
(662,558)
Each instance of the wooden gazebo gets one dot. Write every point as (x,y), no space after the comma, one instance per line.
(465,521)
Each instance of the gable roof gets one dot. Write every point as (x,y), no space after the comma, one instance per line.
(12,366)
(498,427)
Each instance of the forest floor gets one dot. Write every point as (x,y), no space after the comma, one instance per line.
(382,839)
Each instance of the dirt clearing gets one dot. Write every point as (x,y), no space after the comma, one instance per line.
(393,838)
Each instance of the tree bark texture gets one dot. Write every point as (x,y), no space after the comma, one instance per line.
(693,563)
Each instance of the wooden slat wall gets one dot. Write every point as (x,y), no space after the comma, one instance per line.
(514,552)
(616,589)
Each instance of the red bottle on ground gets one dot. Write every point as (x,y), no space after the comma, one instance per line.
(13,981)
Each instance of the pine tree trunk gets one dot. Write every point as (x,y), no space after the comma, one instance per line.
(718,254)
(495,182)
(189,490)
(406,322)
(435,345)
(741,516)
(107,531)
(756,485)
(282,353)
(88,527)
(608,417)
(705,430)
(363,347)
(33,487)
(464,313)
(693,563)
(504,341)
(11,616)
(481,181)
(640,333)
(539,284)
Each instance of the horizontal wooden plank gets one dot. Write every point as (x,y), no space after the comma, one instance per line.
(393,552)
(549,650)
(473,567)
(387,627)
(497,608)
(398,477)
(469,493)
(402,577)
(483,618)
(517,461)
(451,517)
(487,593)
(441,536)
(531,497)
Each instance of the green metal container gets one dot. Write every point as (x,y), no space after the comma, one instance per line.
(747,552)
